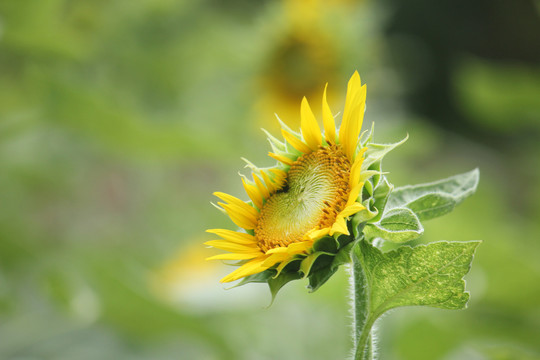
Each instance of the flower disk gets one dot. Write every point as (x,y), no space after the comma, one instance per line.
(318,187)
(308,196)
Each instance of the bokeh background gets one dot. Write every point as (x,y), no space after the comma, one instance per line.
(118,119)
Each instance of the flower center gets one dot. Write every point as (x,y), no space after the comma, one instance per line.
(316,191)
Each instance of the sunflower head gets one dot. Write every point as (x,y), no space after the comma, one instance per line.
(304,214)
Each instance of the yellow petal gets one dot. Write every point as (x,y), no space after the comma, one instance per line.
(262,189)
(299,247)
(279,173)
(233,247)
(277,250)
(310,128)
(237,202)
(274,259)
(353,115)
(340,226)
(239,216)
(269,183)
(295,142)
(316,234)
(234,236)
(283,159)
(352,209)
(280,177)
(356,168)
(353,195)
(253,194)
(355,123)
(328,120)
(233,256)
(362,151)
(353,86)
(252,267)
(352,90)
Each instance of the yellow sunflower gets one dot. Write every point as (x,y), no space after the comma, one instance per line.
(308,196)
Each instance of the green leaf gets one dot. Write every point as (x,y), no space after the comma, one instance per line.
(397,225)
(430,275)
(435,199)
(277,283)
(326,244)
(319,277)
(343,256)
(309,261)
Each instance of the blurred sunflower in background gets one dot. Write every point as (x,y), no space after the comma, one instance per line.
(173,280)
(303,50)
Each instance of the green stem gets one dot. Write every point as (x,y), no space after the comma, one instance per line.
(364,346)
(362,321)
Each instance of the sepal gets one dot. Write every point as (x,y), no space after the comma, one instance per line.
(321,275)
(375,198)
(376,152)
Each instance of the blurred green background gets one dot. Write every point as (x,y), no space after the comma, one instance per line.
(118,119)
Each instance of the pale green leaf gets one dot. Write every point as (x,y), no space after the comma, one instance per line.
(437,198)
(397,225)
(430,275)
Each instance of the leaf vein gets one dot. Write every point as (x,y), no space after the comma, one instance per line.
(399,293)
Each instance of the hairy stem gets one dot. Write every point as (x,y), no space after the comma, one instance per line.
(362,321)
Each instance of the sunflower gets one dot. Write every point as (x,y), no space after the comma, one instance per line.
(308,197)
